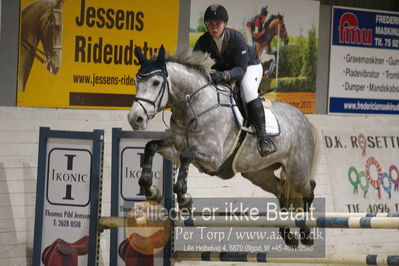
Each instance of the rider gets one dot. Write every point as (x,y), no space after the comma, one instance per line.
(257,24)
(235,61)
(258,32)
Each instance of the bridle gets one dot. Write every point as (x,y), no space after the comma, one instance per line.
(45,57)
(279,26)
(158,100)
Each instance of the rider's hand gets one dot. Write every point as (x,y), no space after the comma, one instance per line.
(217,77)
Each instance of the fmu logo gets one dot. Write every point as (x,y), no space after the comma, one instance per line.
(350,33)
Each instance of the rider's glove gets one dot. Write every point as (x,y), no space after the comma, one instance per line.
(218,77)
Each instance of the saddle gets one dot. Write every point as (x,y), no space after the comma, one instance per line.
(62,253)
(227,169)
(242,117)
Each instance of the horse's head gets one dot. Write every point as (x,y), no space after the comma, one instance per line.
(283,30)
(51,36)
(276,26)
(152,89)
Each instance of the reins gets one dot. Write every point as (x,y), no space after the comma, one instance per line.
(33,50)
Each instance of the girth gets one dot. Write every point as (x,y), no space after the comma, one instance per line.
(225,170)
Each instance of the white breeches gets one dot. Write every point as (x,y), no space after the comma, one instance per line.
(250,82)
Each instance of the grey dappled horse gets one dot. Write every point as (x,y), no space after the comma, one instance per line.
(41,21)
(204,133)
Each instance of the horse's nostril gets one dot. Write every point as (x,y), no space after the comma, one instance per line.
(139,120)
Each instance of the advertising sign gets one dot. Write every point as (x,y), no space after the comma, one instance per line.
(80,54)
(364,166)
(284,34)
(127,162)
(364,62)
(69,174)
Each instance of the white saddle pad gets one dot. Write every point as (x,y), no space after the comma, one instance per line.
(272,125)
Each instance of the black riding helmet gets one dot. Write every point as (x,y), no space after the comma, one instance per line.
(264,11)
(216,13)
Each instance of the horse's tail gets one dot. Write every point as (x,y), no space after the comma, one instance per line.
(316,153)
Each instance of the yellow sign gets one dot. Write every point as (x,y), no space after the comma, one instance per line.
(80,53)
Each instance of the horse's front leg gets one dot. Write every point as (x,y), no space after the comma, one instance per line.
(151,192)
(180,188)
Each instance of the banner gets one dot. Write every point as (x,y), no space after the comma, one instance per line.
(364,166)
(285,40)
(364,62)
(67,193)
(88,49)
(127,196)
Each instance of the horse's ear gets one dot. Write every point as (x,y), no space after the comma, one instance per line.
(161,54)
(139,55)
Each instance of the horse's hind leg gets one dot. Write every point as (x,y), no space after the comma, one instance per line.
(299,185)
(268,181)
(285,232)
(306,237)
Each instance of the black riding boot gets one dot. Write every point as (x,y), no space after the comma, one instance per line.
(257,115)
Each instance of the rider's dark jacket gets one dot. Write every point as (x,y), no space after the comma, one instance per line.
(235,54)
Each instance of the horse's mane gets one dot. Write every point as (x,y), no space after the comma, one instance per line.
(274,16)
(194,59)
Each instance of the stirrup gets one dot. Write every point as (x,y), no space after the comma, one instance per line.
(271,147)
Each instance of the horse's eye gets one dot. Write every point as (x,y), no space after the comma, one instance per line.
(155,83)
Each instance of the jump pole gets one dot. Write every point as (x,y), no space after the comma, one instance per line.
(321,222)
(358,259)
(315,214)
(220,221)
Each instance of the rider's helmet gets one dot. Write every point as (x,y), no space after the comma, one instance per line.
(264,11)
(216,13)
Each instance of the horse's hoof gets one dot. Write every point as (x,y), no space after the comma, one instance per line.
(307,241)
(290,240)
(153,194)
(145,179)
(306,236)
(180,188)
(185,202)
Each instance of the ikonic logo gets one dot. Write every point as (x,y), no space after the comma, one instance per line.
(68,177)
(349,31)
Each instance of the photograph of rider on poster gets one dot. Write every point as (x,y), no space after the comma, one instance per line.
(285,40)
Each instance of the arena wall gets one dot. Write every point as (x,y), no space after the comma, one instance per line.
(19,134)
